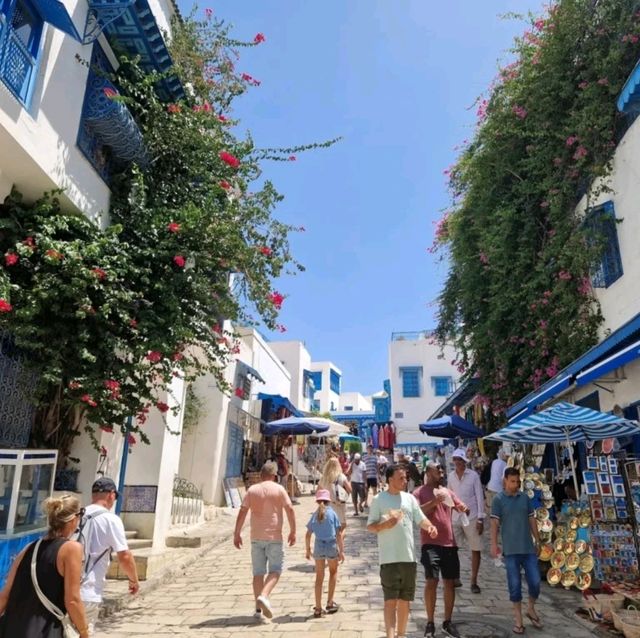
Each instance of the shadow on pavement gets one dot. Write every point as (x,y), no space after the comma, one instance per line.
(227,621)
(302,567)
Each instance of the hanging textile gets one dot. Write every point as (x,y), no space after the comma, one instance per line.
(374,436)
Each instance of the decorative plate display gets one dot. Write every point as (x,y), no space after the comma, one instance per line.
(542,514)
(573,523)
(553,576)
(573,561)
(581,547)
(572,534)
(583,582)
(568,579)
(558,546)
(546,551)
(546,526)
(586,563)
(557,559)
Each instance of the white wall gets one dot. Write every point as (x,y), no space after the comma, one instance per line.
(296,359)
(357,401)
(621,301)
(435,363)
(325,395)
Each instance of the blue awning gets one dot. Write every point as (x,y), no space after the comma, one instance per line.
(629,99)
(608,365)
(615,342)
(247,370)
(279,401)
(55,13)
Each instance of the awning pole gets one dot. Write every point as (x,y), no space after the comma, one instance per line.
(573,465)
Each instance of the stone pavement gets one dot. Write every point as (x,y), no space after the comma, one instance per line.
(213,598)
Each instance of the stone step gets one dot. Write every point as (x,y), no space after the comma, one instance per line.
(139,543)
(131,533)
(148,563)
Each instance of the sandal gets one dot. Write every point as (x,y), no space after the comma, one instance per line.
(535,620)
(518,629)
(318,613)
(332,607)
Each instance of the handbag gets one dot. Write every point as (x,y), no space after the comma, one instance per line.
(68,628)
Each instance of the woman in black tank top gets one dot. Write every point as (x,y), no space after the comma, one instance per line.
(24,615)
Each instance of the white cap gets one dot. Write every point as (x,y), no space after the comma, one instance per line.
(459,454)
(356,456)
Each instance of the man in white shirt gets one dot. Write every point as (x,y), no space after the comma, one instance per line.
(356,474)
(465,484)
(495,486)
(103,532)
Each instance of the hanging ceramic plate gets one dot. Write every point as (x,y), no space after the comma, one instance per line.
(538,484)
(585,519)
(569,548)
(548,503)
(546,552)
(572,534)
(530,493)
(546,494)
(561,530)
(558,546)
(553,576)
(546,526)
(573,561)
(568,579)
(581,547)
(535,476)
(528,485)
(573,523)
(542,514)
(557,559)
(527,476)
(586,563)
(583,582)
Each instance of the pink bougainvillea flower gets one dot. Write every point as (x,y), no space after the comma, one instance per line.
(208,13)
(74,385)
(266,251)
(107,428)
(564,275)
(581,152)
(109,92)
(29,241)
(179,261)
(99,273)
(217,329)
(292,158)
(163,407)
(539,24)
(154,356)
(224,184)
(239,392)
(131,440)
(259,38)
(520,111)
(482,109)
(250,79)
(11,259)
(603,82)
(571,140)
(222,118)
(133,323)
(86,398)
(5,306)
(229,159)
(583,85)
(276,299)
(174,108)
(173,227)
(483,258)
(281,328)
(104,451)
(54,254)
(177,356)
(543,323)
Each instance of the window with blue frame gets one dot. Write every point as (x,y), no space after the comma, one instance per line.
(334,381)
(308,384)
(442,386)
(348,408)
(315,405)
(411,381)
(601,226)
(316,378)
(20,32)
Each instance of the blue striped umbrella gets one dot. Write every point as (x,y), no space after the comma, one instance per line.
(566,422)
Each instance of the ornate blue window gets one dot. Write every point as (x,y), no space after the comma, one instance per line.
(442,386)
(411,381)
(316,378)
(20,30)
(334,381)
(600,224)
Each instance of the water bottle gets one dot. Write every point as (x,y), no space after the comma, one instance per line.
(497,561)
(464,519)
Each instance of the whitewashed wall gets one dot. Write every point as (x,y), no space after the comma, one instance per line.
(325,395)
(357,401)
(434,363)
(296,359)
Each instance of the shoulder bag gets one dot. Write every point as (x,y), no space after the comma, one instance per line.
(68,628)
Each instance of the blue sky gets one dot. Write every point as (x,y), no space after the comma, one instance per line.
(398,80)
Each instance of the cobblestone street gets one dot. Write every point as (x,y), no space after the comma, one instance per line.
(213,598)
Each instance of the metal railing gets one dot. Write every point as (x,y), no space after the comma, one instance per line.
(412,336)
(186,504)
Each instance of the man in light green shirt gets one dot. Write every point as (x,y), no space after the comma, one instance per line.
(392,515)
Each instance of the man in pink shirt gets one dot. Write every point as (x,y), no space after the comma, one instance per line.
(266,500)
(439,554)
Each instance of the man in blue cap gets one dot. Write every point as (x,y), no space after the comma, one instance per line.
(101,532)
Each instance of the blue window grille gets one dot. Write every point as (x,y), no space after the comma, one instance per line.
(315,405)
(309,387)
(600,225)
(316,378)
(334,381)
(411,378)
(20,31)
(442,386)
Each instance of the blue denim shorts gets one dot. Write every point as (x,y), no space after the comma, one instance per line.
(267,552)
(325,549)
(529,563)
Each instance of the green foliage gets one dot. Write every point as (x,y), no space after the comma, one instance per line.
(353,447)
(517,302)
(108,317)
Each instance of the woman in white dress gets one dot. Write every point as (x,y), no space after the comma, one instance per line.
(334,480)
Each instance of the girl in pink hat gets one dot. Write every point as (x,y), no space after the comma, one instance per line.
(328,547)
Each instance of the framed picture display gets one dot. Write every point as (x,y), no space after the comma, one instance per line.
(603,463)
(592,462)
(613,465)
(589,476)
(618,485)
(591,488)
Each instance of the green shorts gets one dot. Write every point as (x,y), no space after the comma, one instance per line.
(398,580)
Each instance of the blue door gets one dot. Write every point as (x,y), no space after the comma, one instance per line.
(235,445)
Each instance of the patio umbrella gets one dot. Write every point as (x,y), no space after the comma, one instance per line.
(348,437)
(451,427)
(566,422)
(296,425)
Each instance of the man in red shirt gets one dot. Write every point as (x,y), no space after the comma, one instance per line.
(439,554)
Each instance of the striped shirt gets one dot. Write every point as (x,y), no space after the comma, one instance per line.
(371,465)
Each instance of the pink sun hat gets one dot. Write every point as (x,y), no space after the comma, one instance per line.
(323,495)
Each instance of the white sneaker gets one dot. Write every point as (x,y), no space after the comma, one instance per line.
(265,606)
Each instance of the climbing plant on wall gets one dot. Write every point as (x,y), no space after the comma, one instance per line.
(517,301)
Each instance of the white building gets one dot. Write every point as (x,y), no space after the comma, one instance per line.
(354,402)
(607,377)
(295,357)
(422,376)
(327,382)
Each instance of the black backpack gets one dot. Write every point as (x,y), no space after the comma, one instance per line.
(83,535)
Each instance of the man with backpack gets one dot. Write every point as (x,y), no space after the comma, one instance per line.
(101,532)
